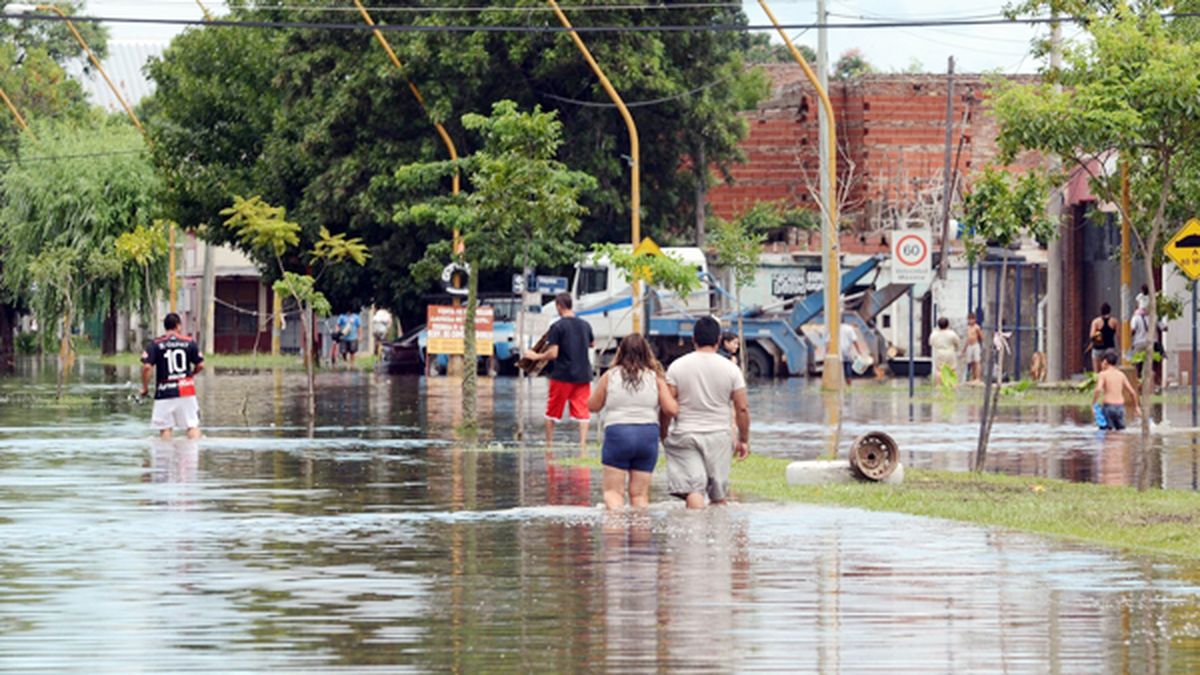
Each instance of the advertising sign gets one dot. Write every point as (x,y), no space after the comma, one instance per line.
(445,326)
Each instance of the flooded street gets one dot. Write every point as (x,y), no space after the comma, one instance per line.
(371,540)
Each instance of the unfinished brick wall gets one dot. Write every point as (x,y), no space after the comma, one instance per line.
(891,133)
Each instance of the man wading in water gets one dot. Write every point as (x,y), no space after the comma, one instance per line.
(568,343)
(175,359)
(700,446)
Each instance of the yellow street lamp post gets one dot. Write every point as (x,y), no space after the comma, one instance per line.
(832,371)
(23,8)
(456,364)
(16,114)
(635,190)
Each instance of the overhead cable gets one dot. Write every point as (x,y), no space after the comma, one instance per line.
(478,28)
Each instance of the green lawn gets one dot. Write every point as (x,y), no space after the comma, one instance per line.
(1159,522)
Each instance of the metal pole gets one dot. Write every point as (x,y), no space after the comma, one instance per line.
(1017,327)
(12,108)
(911,348)
(1054,275)
(635,194)
(947,190)
(1194,367)
(831,377)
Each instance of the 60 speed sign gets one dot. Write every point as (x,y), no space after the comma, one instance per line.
(911,259)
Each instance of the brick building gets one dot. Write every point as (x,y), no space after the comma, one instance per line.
(891,137)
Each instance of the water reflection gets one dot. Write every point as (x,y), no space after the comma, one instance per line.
(370,539)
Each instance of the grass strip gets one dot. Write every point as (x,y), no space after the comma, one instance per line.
(287,362)
(1164,523)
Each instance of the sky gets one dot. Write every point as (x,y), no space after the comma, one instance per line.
(976,49)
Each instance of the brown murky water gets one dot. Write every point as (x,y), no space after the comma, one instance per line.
(372,541)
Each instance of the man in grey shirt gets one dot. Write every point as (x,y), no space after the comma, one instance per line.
(700,445)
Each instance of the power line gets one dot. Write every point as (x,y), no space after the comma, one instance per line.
(55,158)
(476,28)
(484,9)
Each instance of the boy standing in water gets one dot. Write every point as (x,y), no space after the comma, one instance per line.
(175,358)
(1111,385)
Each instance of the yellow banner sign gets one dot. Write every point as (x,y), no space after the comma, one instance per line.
(444,329)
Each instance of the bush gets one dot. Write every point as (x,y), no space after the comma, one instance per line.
(28,341)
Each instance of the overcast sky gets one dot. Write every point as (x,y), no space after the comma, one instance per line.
(975,49)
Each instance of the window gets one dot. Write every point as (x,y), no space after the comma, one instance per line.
(593,280)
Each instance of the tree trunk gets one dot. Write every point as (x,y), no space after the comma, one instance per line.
(1150,465)
(8,346)
(741,331)
(64,353)
(306,341)
(701,195)
(470,367)
(108,334)
(991,392)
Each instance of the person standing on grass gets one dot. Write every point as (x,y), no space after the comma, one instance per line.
(700,445)
(175,359)
(349,325)
(567,345)
(945,344)
(1111,385)
(632,394)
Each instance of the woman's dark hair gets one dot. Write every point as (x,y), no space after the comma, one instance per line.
(943,323)
(1105,309)
(729,336)
(634,357)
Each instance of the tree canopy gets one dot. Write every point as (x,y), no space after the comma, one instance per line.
(309,119)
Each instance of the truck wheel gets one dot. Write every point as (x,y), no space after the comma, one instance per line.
(758,363)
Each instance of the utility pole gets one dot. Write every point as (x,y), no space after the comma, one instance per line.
(948,189)
(831,376)
(1054,264)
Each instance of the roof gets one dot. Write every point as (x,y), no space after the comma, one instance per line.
(124,64)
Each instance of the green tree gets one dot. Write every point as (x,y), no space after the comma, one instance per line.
(326,113)
(266,231)
(999,210)
(54,37)
(522,203)
(738,244)
(1128,91)
(762,50)
(90,184)
(852,64)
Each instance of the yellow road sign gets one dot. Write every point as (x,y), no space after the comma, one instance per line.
(647,247)
(1184,249)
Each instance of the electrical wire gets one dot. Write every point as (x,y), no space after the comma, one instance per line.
(55,158)
(486,9)
(477,28)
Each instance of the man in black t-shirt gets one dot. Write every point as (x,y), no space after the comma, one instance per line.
(175,360)
(567,345)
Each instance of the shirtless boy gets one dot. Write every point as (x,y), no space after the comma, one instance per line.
(974,350)
(1111,385)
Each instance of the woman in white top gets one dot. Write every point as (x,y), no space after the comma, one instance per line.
(631,393)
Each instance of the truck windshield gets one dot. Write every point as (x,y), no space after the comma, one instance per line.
(592,280)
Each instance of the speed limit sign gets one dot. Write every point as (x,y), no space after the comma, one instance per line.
(911,257)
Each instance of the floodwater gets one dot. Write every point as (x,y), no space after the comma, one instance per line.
(372,541)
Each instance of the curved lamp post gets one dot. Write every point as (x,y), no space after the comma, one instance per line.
(16,114)
(26,9)
(831,376)
(635,191)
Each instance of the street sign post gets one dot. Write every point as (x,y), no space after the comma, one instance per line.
(1184,250)
(911,264)
(551,285)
